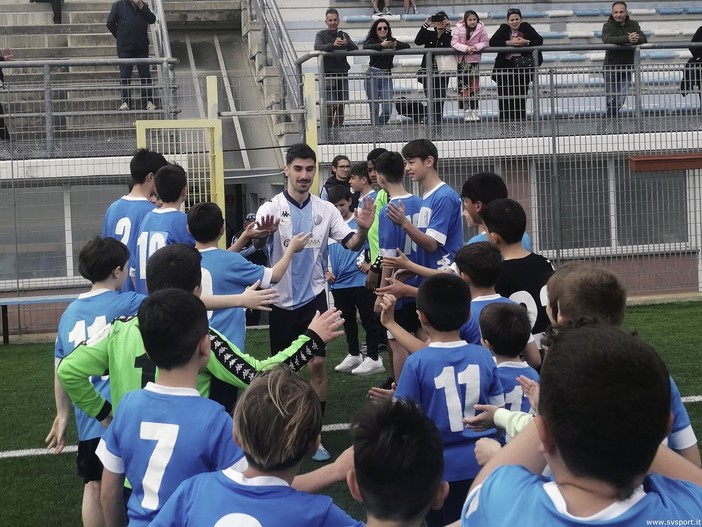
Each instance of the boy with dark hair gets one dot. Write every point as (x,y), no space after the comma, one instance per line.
(119,348)
(277,423)
(381,199)
(398,464)
(599,452)
(361,183)
(124,216)
(479,190)
(524,274)
(165,432)
(439,230)
(391,172)
(505,330)
(229,273)
(102,261)
(347,284)
(447,378)
(163,226)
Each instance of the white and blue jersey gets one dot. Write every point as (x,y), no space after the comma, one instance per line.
(470,330)
(304,279)
(681,434)
(345,264)
(160,227)
(122,221)
(440,218)
(228,499)
(392,237)
(160,437)
(508,371)
(84,318)
(514,496)
(446,379)
(229,273)
(482,237)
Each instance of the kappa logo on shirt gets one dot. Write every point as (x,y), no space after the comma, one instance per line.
(285,214)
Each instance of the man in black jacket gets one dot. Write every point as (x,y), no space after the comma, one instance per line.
(128,22)
(619,64)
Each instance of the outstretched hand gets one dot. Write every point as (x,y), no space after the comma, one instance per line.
(387,309)
(531,389)
(401,261)
(327,325)
(396,213)
(484,420)
(255,298)
(381,395)
(365,213)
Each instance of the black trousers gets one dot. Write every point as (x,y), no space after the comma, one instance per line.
(348,300)
(56,6)
(512,88)
(285,326)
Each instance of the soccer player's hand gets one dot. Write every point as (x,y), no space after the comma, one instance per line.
(395,287)
(327,325)
(380,395)
(484,420)
(485,450)
(297,242)
(371,280)
(329,277)
(57,435)
(396,213)
(396,262)
(255,298)
(387,309)
(365,214)
(263,227)
(531,389)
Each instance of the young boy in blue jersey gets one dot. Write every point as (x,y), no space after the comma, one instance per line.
(102,261)
(524,274)
(439,229)
(162,226)
(505,330)
(447,378)
(390,168)
(398,464)
(124,216)
(165,432)
(348,286)
(479,190)
(479,265)
(604,409)
(277,423)
(229,273)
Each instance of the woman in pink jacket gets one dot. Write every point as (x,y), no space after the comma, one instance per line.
(469,38)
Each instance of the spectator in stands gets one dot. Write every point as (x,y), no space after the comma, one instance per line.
(55,6)
(129,22)
(339,176)
(619,63)
(513,72)
(6,54)
(692,74)
(469,39)
(379,88)
(336,79)
(435,33)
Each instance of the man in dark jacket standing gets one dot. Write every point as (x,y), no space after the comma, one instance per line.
(336,78)
(128,22)
(618,64)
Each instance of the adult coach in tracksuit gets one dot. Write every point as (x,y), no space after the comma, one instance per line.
(302,288)
(129,22)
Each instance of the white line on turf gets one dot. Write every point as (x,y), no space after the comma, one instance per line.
(338,427)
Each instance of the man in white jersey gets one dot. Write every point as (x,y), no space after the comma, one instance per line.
(302,288)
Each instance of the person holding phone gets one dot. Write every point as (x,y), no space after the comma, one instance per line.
(513,72)
(435,33)
(379,89)
(335,67)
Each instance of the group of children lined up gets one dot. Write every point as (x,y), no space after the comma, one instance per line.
(604,404)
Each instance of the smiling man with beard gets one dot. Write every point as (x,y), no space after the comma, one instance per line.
(302,288)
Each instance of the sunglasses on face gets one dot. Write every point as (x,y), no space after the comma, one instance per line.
(382,28)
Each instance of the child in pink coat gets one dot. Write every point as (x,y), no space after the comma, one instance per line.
(469,38)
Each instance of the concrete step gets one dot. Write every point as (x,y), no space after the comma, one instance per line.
(65,52)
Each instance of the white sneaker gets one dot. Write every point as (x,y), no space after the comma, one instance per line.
(369,367)
(322,454)
(471,116)
(124,107)
(150,106)
(349,363)
(386,11)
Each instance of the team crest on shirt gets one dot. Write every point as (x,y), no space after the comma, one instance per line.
(317,219)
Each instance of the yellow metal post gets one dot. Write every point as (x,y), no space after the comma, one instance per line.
(311,136)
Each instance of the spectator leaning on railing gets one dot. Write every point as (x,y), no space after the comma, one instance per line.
(469,39)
